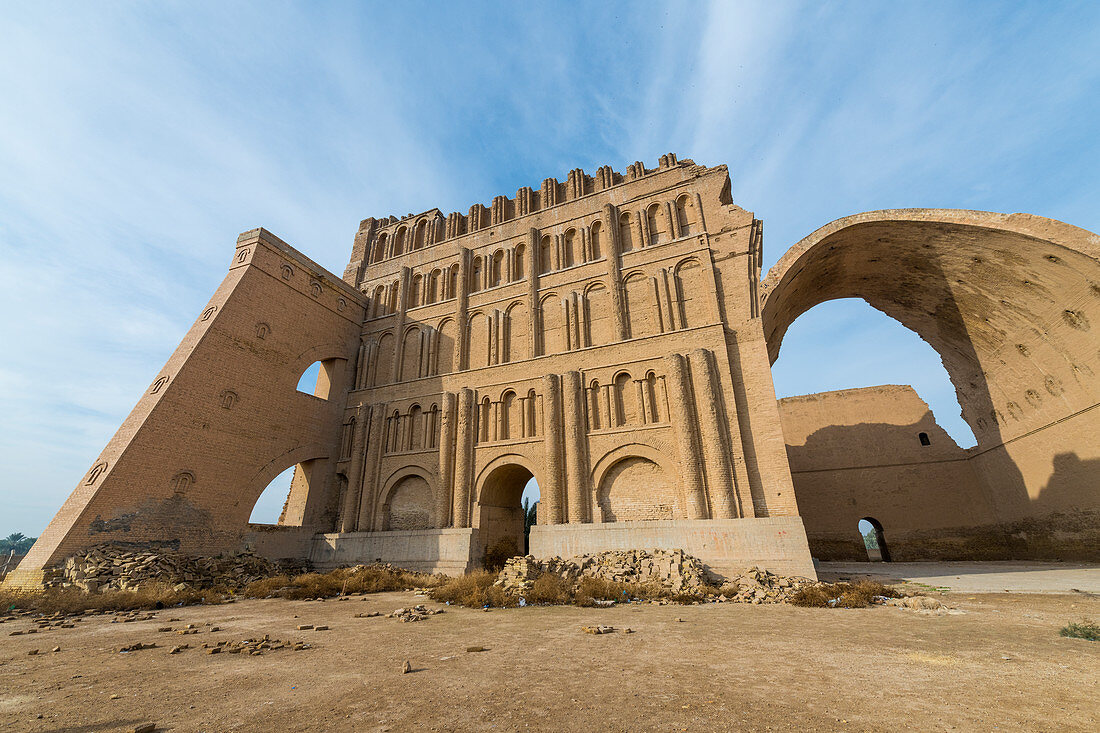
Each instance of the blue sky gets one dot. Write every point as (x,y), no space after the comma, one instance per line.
(138,139)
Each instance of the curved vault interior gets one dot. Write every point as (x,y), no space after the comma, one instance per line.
(1008,301)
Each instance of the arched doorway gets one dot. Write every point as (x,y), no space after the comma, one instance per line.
(874,541)
(501,515)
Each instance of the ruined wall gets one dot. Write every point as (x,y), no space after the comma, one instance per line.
(859,453)
(601,334)
(223,418)
(1010,303)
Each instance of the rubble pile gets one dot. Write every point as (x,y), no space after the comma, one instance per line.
(119,568)
(253,647)
(418,612)
(760,586)
(674,571)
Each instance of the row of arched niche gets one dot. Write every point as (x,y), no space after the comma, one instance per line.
(577,245)
(661,301)
(622,402)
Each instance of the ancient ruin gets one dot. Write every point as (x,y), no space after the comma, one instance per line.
(611,336)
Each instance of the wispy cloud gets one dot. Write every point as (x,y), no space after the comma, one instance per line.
(137,139)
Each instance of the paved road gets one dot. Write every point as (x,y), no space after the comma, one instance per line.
(974,577)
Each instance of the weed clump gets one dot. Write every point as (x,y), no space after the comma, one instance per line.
(74,600)
(475,590)
(841,595)
(549,589)
(1086,629)
(342,581)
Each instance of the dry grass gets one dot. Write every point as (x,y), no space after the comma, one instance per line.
(475,590)
(153,595)
(1086,629)
(549,589)
(73,600)
(845,595)
(342,581)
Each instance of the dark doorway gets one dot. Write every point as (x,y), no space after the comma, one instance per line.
(874,540)
(501,526)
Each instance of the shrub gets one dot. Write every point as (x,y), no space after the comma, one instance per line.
(1086,629)
(591,590)
(841,595)
(499,553)
(363,579)
(550,589)
(475,590)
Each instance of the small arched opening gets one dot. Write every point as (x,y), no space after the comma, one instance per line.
(283,501)
(319,377)
(874,541)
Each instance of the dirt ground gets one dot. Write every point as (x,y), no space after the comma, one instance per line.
(999,665)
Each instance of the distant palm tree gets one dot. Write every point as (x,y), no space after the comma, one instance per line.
(16,542)
(530,514)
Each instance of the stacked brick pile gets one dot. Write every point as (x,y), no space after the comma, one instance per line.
(119,568)
(760,586)
(673,570)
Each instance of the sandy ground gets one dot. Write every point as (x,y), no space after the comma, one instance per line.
(999,665)
(974,577)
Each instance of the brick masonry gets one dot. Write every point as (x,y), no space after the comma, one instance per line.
(609,335)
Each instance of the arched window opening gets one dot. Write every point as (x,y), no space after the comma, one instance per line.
(379,249)
(433,286)
(415,428)
(475,275)
(653,406)
(319,378)
(283,501)
(624,400)
(394,432)
(399,242)
(418,238)
(596,245)
(452,282)
(518,264)
(924,439)
(626,239)
(497,275)
(378,301)
(874,541)
(545,248)
(507,423)
(392,306)
(682,216)
(594,396)
(414,292)
(529,406)
(653,222)
(346,439)
(431,430)
(484,418)
(569,248)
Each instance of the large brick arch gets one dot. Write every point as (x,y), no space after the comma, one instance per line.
(1011,302)
(222,415)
